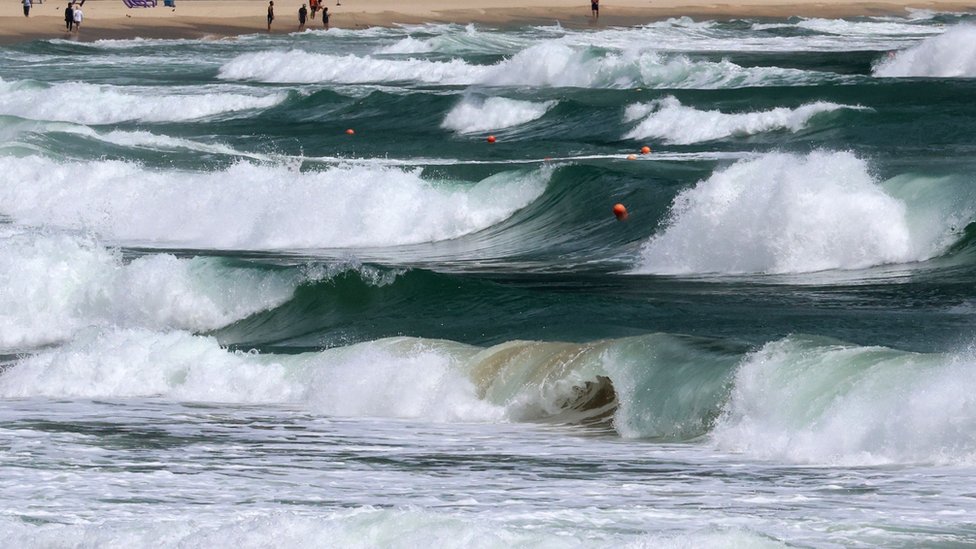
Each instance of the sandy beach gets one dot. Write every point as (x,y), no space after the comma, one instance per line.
(221,18)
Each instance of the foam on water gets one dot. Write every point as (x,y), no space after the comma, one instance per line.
(281,66)
(948,55)
(473,115)
(454,39)
(675,123)
(364,527)
(52,285)
(104,104)
(785,213)
(256,206)
(815,401)
(388,378)
(548,64)
(554,64)
(876,27)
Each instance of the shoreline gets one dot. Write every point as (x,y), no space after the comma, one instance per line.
(217,19)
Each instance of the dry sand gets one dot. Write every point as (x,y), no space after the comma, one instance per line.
(221,18)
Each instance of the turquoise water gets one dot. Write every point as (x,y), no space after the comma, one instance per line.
(227,321)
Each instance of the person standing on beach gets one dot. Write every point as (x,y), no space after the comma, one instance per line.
(595,8)
(302,17)
(325,18)
(27,7)
(270,14)
(313,5)
(77,15)
(69,17)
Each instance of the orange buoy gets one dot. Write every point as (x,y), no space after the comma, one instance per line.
(620,212)
(645,150)
(631,157)
(491,138)
(350,131)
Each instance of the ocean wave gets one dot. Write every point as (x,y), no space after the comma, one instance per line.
(549,64)
(284,66)
(104,104)
(948,55)
(455,40)
(815,401)
(785,213)
(257,206)
(798,399)
(395,377)
(669,120)
(473,115)
(52,285)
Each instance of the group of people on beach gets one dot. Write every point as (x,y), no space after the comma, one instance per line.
(72,14)
(303,13)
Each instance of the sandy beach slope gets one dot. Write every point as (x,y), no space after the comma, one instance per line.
(221,18)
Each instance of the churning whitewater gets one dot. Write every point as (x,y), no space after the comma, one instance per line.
(226,320)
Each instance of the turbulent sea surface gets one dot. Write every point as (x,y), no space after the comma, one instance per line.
(224,321)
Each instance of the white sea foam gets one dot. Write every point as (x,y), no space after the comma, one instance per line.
(784,213)
(364,527)
(156,142)
(813,401)
(258,206)
(875,28)
(949,55)
(281,66)
(548,64)
(669,120)
(454,39)
(494,113)
(104,104)
(387,378)
(52,285)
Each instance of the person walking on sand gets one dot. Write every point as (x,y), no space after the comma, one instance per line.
(325,18)
(313,6)
(302,17)
(77,15)
(595,8)
(270,14)
(27,7)
(69,17)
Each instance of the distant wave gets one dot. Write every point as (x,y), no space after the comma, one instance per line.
(673,122)
(494,113)
(257,206)
(549,64)
(103,104)
(454,39)
(948,55)
(784,213)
